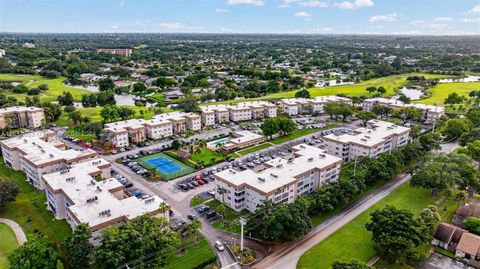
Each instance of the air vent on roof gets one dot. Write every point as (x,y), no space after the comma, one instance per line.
(99,189)
(51,155)
(364,140)
(273,175)
(302,146)
(149,200)
(322,155)
(104,213)
(279,165)
(310,159)
(261,179)
(92,182)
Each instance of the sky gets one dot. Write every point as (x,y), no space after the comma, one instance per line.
(401,17)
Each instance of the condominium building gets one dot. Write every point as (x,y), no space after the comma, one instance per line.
(242,139)
(215,114)
(21,117)
(378,137)
(297,106)
(122,52)
(86,193)
(240,112)
(430,113)
(38,154)
(282,180)
(122,133)
(260,109)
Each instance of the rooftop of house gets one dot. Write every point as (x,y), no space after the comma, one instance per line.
(241,137)
(38,151)
(214,108)
(279,171)
(469,243)
(94,202)
(470,209)
(447,232)
(378,132)
(400,104)
(18,109)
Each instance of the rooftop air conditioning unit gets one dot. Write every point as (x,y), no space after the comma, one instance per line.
(310,159)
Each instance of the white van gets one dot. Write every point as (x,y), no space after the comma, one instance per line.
(219,245)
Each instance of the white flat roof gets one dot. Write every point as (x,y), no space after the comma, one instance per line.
(39,151)
(319,99)
(370,136)
(398,103)
(282,172)
(242,137)
(91,197)
(17,109)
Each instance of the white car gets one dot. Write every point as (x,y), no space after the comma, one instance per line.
(211,192)
(219,245)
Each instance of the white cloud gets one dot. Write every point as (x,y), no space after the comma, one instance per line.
(257,3)
(436,24)
(313,3)
(121,4)
(302,14)
(442,20)
(470,20)
(354,4)
(222,10)
(379,18)
(172,25)
(475,10)
(114,27)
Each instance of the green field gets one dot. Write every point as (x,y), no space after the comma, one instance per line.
(254,148)
(8,245)
(207,157)
(355,240)
(55,87)
(195,256)
(29,209)
(94,114)
(442,90)
(184,171)
(293,135)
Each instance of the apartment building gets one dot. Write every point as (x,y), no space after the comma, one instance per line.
(86,193)
(240,113)
(242,139)
(122,133)
(282,180)
(122,52)
(22,117)
(260,109)
(430,113)
(215,114)
(39,154)
(378,137)
(298,106)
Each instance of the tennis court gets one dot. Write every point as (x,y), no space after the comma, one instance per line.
(166,167)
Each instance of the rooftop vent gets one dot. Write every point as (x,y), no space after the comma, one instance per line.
(273,175)
(322,155)
(99,189)
(51,155)
(92,182)
(261,179)
(279,165)
(149,200)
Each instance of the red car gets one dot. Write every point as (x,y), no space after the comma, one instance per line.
(200,182)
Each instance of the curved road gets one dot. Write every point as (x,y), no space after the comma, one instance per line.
(286,256)
(17,230)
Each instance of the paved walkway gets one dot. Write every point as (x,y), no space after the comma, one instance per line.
(19,234)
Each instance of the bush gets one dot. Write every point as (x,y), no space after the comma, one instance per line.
(20,89)
(34,91)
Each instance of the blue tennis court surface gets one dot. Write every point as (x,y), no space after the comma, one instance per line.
(164,165)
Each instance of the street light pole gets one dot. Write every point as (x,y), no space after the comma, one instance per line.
(242,222)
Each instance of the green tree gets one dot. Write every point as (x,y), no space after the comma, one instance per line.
(189,105)
(52,111)
(366,116)
(473,114)
(407,114)
(139,237)
(126,113)
(9,190)
(66,99)
(75,116)
(285,126)
(106,84)
(454,98)
(371,89)
(457,127)
(395,232)
(139,87)
(110,113)
(269,127)
(195,228)
(176,144)
(37,252)
(430,141)
(302,94)
(381,90)
(429,217)
(473,225)
(77,247)
(381,110)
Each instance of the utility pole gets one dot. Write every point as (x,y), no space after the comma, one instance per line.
(242,222)
(355,166)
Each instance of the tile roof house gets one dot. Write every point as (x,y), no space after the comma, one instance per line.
(468,249)
(447,236)
(470,209)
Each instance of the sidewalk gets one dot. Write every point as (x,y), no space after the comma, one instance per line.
(19,234)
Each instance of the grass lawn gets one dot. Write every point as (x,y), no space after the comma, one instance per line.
(230,223)
(55,87)
(293,135)
(29,209)
(442,90)
(94,114)
(196,201)
(79,135)
(193,257)
(8,245)
(355,240)
(207,156)
(254,148)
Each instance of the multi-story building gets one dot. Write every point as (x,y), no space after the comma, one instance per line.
(282,181)
(21,117)
(260,109)
(122,52)
(215,114)
(242,139)
(378,137)
(297,106)
(122,133)
(39,154)
(240,112)
(86,193)
(430,113)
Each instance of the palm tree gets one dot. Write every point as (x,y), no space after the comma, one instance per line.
(164,207)
(194,229)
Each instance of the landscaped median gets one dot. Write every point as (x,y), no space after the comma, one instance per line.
(354,239)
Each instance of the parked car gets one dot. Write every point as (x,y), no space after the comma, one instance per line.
(194,183)
(219,245)
(192,217)
(190,185)
(201,182)
(211,192)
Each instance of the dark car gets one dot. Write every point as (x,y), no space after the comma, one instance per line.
(190,185)
(230,159)
(203,209)
(183,187)
(194,183)
(211,214)
(205,180)
(129,185)
(192,217)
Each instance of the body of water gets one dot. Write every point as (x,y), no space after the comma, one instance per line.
(121,99)
(465,79)
(411,93)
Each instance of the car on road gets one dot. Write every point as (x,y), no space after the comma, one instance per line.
(203,208)
(192,217)
(219,245)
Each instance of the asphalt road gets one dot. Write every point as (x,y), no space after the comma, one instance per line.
(286,256)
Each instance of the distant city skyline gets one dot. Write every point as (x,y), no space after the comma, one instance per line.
(401,17)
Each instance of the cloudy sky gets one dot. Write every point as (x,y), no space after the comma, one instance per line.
(433,17)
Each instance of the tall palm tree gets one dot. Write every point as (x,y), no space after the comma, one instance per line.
(164,207)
